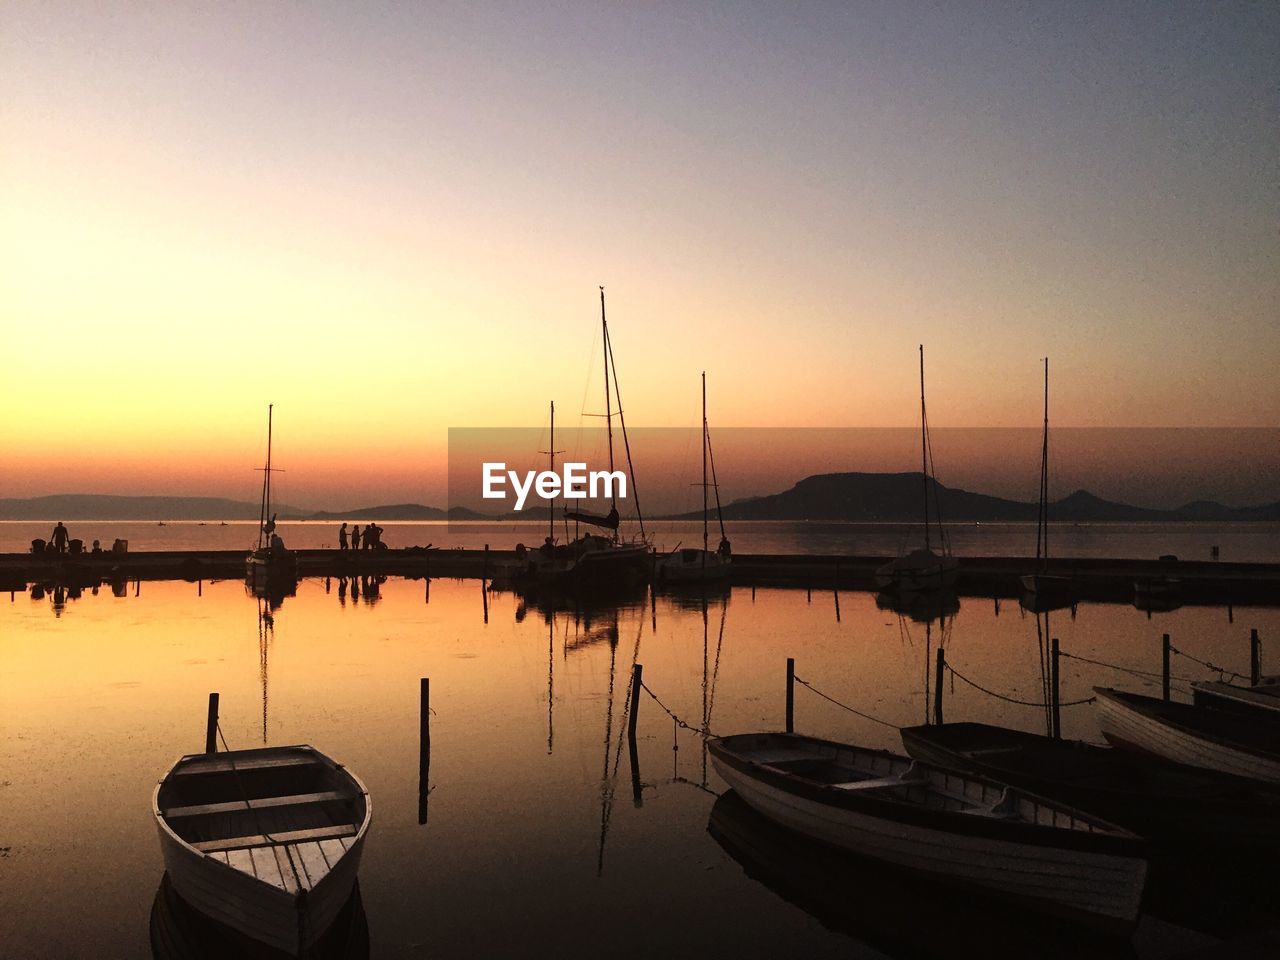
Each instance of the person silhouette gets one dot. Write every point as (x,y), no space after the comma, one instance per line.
(355,536)
(342,537)
(59,538)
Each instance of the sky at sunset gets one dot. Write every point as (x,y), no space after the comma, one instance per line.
(392,219)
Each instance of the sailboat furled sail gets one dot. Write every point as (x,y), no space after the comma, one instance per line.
(923,569)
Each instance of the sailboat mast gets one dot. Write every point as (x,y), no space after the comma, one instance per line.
(551,508)
(924,451)
(1044,474)
(608,402)
(704,462)
(266,508)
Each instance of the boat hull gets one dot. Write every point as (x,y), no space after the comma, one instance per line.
(1175,806)
(282,889)
(919,572)
(693,566)
(1101,889)
(1131,721)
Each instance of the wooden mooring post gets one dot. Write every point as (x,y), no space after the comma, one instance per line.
(636,685)
(1255,657)
(939,672)
(424,747)
(211,726)
(791,695)
(1164,668)
(1055,699)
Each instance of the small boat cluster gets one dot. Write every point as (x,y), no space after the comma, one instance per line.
(1070,829)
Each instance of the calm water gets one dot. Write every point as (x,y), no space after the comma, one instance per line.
(1241,542)
(533,845)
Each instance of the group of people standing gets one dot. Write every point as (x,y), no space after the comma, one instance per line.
(369,539)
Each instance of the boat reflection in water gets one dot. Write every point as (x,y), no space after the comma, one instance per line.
(900,914)
(179,932)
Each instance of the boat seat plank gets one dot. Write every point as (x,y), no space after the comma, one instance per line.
(882,783)
(214,765)
(229,844)
(261,803)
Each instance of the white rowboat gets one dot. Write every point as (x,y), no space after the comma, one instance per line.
(978,833)
(266,841)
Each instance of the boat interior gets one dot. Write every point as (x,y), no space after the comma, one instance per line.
(258,798)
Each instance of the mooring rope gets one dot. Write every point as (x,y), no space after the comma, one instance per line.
(679,723)
(1022,703)
(1146,674)
(244,795)
(1220,671)
(845,706)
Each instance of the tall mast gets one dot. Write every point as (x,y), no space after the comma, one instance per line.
(608,403)
(1042,533)
(267,505)
(704,468)
(924,451)
(551,510)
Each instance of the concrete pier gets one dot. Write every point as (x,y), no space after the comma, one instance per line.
(1207,583)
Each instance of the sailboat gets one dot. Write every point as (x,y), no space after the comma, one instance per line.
(597,561)
(691,565)
(922,569)
(269,565)
(1043,591)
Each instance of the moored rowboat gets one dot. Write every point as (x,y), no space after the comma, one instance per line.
(1197,736)
(978,833)
(1174,805)
(265,841)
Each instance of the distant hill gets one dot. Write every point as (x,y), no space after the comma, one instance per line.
(896,497)
(398,511)
(85,506)
(851,497)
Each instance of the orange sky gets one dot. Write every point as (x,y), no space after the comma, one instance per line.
(388,226)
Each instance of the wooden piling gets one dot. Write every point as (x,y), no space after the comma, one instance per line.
(636,685)
(1055,698)
(424,747)
(1255,657)
(1164,669)
(939,672)
(791,695)
(211,726)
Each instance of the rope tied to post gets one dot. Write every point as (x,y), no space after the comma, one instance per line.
(1022,703)
(1222,672)
(845,706)
(679,723)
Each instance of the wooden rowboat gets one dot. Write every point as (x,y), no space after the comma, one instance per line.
(1174,805)
(1198,736)
(1261,699)
(983,835)
(265,841)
